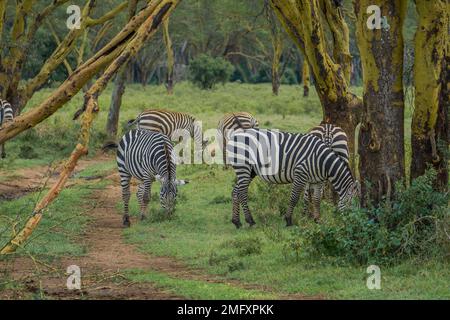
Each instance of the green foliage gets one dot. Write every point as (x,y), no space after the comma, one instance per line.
(413,225)
(206,71)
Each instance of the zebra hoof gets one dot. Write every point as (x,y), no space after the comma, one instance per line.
(251,222)
(237,223)
(288,221)
(3,155)
(126,222)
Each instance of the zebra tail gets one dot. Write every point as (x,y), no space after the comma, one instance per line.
(236,120)
(131,123)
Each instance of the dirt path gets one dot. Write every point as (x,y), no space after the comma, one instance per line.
(108,255)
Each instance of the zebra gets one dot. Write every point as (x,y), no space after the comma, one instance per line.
(168,122)
(144,154)
(335,138)
(231,122)
(6,115)
(281,158)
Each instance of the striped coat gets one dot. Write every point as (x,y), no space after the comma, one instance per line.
(281,158)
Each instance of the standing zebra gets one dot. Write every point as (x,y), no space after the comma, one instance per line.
(335,138)
(231,122)
(282,158)
(144,154)
(6,115)
(168,122)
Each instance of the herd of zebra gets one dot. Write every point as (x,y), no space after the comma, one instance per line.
(305,160)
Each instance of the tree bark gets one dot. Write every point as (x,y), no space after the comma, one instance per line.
(381,138)
(112,122)
(430,128)
(305,78)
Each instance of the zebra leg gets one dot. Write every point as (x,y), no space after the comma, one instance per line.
(307,200)
(240,196)
(224,154)
(236,208)
(125,183)
(297,186)
(316,197)
(143,196)
(2,148)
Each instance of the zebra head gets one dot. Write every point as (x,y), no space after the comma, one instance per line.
(168,191)
(345,199)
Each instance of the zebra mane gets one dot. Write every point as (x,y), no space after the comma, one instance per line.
(168,161)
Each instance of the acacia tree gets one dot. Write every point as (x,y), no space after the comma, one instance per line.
(381,137)
(17,41)
(112,57)
(430,127)
(304,21)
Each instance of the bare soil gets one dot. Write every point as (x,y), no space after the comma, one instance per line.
(107,256)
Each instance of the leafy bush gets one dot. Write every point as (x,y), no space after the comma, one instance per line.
(414,225)
(206,71)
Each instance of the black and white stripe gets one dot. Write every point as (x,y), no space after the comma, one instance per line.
(280,158)
(144,154)
(169,123)
(231,122)
(6,115)
(336,138)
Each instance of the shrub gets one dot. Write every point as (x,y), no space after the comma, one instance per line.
(413,225)
(206,71)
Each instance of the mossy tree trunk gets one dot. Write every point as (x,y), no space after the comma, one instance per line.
(305,78)
(303,21)
(381,137)
(430,128)
(277,50)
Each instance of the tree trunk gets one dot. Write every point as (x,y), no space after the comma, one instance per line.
(170,57)
(112,123)
(381,138)
(277,50)
(304,24)
(305,78)
(429,129)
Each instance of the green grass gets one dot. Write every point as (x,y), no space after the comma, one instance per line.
(201,233)
(197,289)
(61,228)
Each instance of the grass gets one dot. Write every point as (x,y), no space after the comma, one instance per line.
(197,289)
(201,234)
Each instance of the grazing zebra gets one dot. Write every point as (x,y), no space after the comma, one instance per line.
(168,122)
(335,138)
(229,123)
(6,115)
(281,158)
(144,154)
